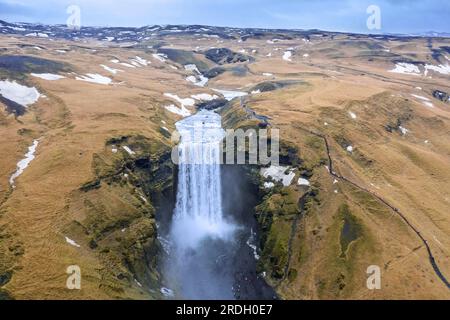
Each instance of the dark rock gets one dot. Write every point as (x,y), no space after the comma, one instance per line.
(143,163)
(26,64)
(441,95)
(91,185)
(289,154)
(4,295)
(239,71)
(262,35)
(117,140)
(184,57)
(5,278)
(389,128)
(13,107)
(93,244)
(212,105)
(225,56)
(274,85)
(214,72)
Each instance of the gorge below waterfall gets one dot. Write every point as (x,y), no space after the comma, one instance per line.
(211,245)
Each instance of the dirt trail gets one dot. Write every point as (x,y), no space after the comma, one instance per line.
(334,174)
(382,200)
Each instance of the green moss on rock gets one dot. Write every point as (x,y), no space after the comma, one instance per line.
(275,216)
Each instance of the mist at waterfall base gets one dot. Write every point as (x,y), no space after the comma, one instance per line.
(202,238)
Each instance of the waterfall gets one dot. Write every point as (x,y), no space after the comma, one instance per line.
(199,191)
(200,232)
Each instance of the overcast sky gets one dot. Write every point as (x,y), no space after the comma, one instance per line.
(397,16)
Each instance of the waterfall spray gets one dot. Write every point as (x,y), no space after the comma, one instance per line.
(200,232)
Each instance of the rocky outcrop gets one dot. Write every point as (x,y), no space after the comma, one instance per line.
(13,107)
(18,67)
(274,85)
(441,95)
(213,104)
(133,179)
(214,72)
(226,56)
(184,57)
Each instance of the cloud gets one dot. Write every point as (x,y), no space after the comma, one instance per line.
(14,7)
(338,15)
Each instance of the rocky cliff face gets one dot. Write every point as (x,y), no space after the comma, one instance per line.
(116,213)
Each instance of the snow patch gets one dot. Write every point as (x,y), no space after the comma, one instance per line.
(420,97)
(179,111)
(278,173)
(129,65)
(72,243)
(24,163)
(204,97)
(112,70)
(123,63)
(269,185)
(37,34)
(127,149)
(189,102)
(230,95)
(22,95)
(47,76)
(95,78)
(167,292)
(406,68)
(141,61)
(303,182)
(403,130)
(160,57)
(442,69)
(200,83)
(193,68)
(287,56)
(16,28)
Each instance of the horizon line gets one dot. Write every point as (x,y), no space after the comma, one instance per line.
(419,34)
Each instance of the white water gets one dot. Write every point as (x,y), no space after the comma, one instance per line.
(199,231)
(198,212)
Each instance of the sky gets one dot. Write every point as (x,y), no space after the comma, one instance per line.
(397,16)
